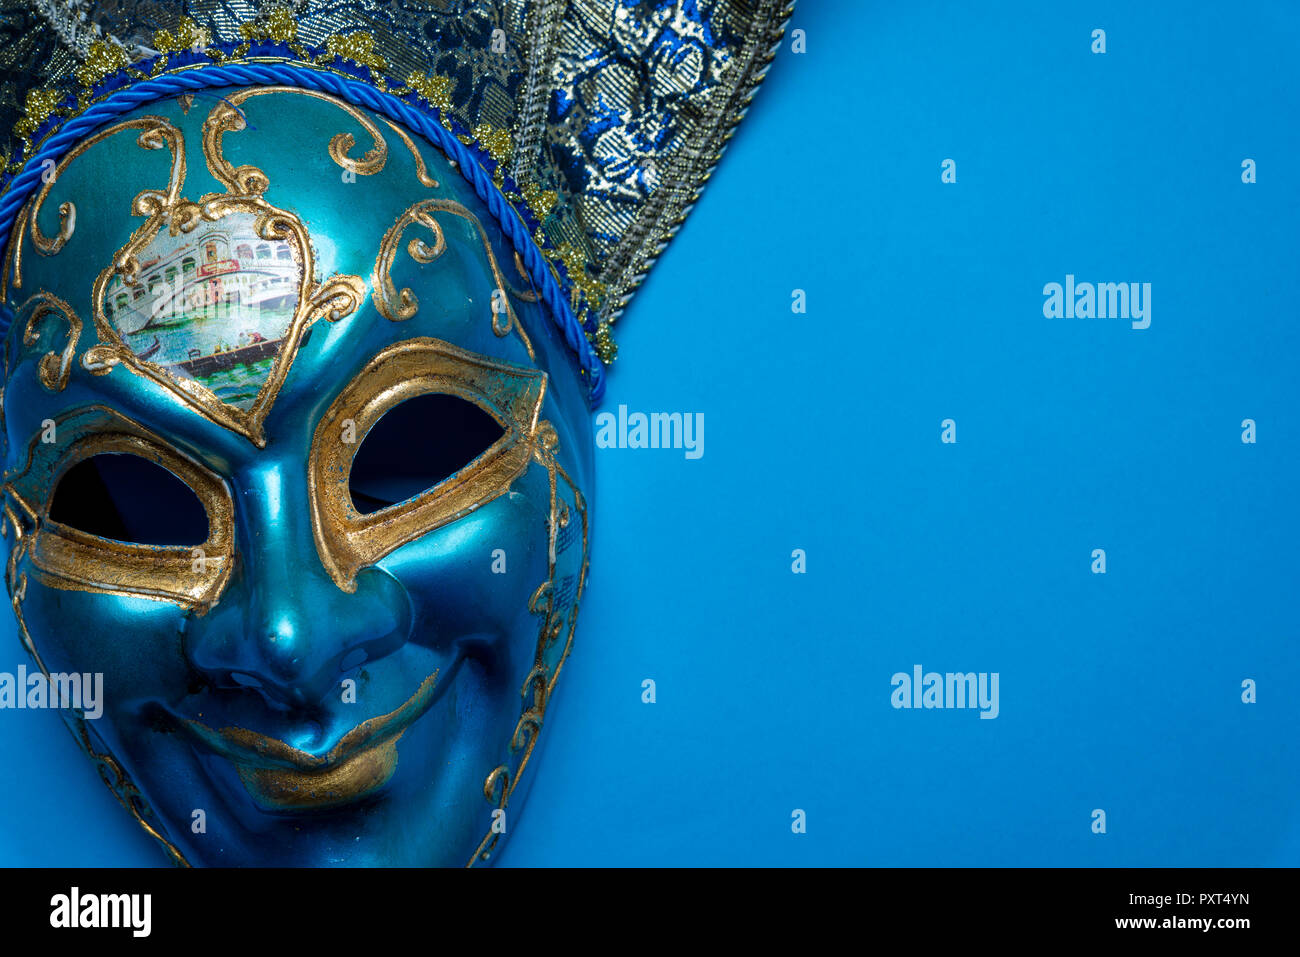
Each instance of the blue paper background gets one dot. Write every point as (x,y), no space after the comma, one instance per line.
(1119,692)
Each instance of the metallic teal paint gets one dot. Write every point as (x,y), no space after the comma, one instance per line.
(271,655)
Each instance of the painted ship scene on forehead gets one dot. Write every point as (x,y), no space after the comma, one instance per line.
(212,306)
(305,322)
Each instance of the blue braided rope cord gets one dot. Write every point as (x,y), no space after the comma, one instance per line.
(28,179)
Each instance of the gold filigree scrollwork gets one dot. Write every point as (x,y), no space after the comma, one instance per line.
(525,295)
(16,581)
(393,304)
(54,367)
(223,119)
(337,297)
(535,691)
(557,620)
(497,788)
(100,359)
(421,171)
(227,117)
(397,305)
(123,788)
(526,731)
(14,257)
(155,133)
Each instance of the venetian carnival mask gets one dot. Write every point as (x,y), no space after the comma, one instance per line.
(298,378)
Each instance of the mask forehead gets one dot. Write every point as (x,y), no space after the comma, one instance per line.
(314,235)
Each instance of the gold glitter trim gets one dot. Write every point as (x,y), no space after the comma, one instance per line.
(575,263)
(603,343)
(188,36)
(39,106)
(102,59)
(497,142)
(358,47)
(278,25)
(433,89)
(540,201)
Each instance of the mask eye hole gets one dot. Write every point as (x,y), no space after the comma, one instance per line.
(416,445)
(129,499)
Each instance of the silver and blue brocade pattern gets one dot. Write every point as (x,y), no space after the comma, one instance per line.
(646,95)
(620,107)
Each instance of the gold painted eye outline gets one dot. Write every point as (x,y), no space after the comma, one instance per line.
(348,540)
(71,559)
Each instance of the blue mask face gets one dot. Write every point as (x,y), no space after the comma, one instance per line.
(296,461)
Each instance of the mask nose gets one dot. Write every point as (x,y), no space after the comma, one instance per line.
(282,626)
